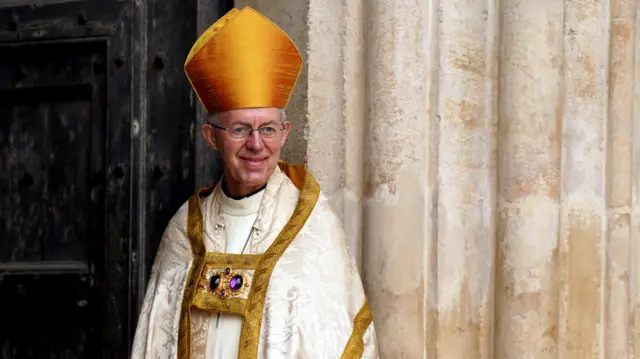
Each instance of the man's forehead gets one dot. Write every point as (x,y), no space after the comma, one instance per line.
(249,115)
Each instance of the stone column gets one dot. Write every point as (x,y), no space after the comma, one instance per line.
(580,273)
(530,130)
(465,159)
(619,183)
(397,185)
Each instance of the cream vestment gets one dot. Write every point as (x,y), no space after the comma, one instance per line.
(294,293)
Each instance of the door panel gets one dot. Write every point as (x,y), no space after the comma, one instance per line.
(46,121)
(65,150)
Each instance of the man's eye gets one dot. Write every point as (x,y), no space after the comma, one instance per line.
(268,129)
(239,130)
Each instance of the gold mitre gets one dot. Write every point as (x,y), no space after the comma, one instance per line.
(243,60)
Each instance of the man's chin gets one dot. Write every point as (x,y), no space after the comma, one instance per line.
(254,177)
(253,182)
(257,177)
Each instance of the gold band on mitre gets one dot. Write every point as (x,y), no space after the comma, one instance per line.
(242,61)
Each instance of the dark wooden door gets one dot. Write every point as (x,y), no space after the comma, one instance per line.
(97,130)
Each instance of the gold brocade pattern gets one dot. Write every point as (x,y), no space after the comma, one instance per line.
(252,308)
(355,345)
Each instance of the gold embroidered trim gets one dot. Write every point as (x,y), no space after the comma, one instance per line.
(212,303)
(195,229)
(253,318)
(243,264)
(233,261)
(355,345)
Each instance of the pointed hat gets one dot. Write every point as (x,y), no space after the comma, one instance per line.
(243,60)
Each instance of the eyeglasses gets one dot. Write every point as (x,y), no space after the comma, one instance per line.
(243,132)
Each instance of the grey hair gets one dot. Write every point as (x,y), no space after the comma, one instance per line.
(215,117)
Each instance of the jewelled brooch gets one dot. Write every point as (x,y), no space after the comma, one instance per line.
(223,283)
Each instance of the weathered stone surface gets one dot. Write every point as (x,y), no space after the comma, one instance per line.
(487,152)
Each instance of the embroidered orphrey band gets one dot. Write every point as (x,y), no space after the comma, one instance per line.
(195,229)
(355,345)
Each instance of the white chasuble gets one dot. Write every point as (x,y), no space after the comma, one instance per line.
(295,291)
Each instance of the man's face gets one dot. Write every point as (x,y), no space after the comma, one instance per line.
(248,159)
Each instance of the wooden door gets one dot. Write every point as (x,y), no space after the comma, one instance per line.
(97,129)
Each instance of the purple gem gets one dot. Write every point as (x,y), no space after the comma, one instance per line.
(236,282)
(227,271)
(214,282)
(221,293)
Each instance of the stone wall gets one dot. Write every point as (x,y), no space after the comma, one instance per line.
(484,157)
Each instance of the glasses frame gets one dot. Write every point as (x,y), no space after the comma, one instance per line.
(250,131)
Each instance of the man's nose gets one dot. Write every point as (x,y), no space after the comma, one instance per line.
(254,141)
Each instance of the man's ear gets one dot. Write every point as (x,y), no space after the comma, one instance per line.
(285,132)
(208,132)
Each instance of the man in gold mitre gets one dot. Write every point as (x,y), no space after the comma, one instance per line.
(257,265)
